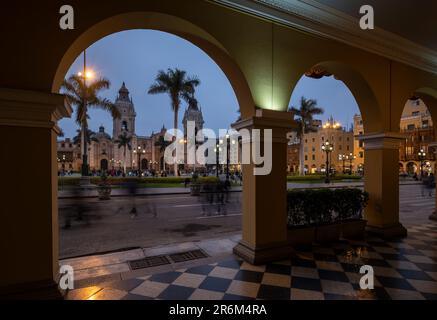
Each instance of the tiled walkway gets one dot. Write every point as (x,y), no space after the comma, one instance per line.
(404,269)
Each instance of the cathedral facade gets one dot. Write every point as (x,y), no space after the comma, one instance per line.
(105,151)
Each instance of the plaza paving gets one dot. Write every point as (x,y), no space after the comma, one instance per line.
(404,269)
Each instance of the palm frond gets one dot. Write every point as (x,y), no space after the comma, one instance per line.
(305,114)
(99,85)
(157,88)
(105,104)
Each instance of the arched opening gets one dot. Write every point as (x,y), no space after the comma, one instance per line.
(104,165)
(417,123)
(144,164)
(344,108)
(337,111)
(145,151)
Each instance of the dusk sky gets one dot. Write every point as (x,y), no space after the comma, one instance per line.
(135,57)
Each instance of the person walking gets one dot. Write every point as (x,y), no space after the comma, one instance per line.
(431,184)
(425,180)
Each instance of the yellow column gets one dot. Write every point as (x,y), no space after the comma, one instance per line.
(433,216)
(264,196)
(29,214)
(381,178)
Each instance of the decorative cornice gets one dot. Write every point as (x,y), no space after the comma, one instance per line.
(315,18)
(32,109)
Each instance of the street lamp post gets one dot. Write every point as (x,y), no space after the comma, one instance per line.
(139,151)
(342,157)
(422,157)
(85,75)
(327,147)
(228,154)
(351,158)
(217,151)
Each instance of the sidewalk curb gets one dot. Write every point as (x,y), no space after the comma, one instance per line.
(138,195)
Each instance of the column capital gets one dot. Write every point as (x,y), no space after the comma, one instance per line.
(382,140)
(264,118)
(27,108)
(281,122)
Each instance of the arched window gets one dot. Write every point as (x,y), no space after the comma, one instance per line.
(124,126)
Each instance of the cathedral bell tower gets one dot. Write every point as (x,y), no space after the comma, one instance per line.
(126,123)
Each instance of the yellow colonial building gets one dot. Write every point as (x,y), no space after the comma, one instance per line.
(417,127)
(314,157)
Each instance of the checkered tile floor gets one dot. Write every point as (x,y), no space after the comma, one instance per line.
(404,269)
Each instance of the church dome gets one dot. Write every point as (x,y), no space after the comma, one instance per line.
(101,134)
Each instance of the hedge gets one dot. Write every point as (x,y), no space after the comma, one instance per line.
(209,179)
(74,181)
(317,177)
(322,206)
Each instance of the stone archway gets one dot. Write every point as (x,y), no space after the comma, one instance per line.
(380,144)
(179,27)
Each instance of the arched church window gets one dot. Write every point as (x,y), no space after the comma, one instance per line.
(124,126)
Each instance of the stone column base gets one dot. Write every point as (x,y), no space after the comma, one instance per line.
(396,231)
(41,290)
(263,254)
(433,216)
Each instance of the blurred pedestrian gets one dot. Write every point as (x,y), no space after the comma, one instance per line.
(132,186)
(425,181)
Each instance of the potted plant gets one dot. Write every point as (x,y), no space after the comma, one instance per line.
(104,188)
(195,185)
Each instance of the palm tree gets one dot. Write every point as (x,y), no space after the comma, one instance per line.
(85,97)
(162,144)
(305,113)
(178,86)
(124,141)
